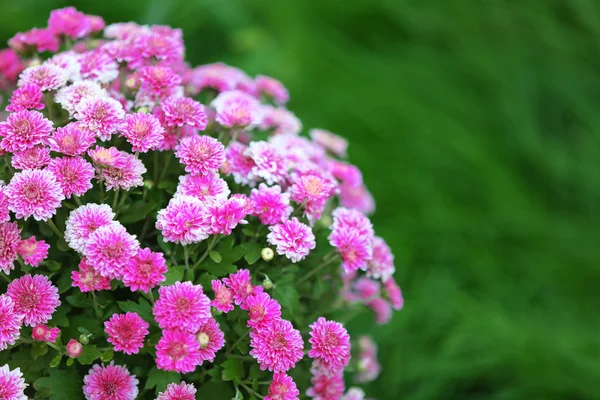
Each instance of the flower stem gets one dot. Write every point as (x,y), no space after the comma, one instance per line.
(115,200)
(325,263)
(55,347)
(165,168)
(211,244)
(240,357)
(228,353)
(250,391)
(186,257)
(77,200)
(54,228)
(98,313)
(6,277)
(101,191)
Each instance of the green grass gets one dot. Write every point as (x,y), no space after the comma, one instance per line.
(476,126)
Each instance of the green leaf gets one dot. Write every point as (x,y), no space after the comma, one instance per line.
(60,315)
(43,394)
(174,274)
(248,232)
(80,300)
(63,385)
(62,245)
(52,265)
(64,282)
(89,354)
(252,254)
(159,379)
(220,270)
(38,349)
(235,254)
(143,308)
(215,372)
(136,212)
(288,297)
(107,356)
(215,256)
(232,369)
(56,361)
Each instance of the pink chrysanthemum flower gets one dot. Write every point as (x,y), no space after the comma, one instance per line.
(181,306)
(280,120)
(178,351)
(201,155)
(10,236)
(382,310)
(142,131)
(74,348)
(211,339)
(104,157)
(393,293)
(282,387)
(270,205)
(158,45)
(126,332)
(129,174)
(110,248)
(101,115)
(87,279)
(4,211)
(35,39)
(182,391)
(355,249)
(12,384)
(326,387)
(158,80)
(111,382)
(313,191)
(271,164)
(347,173)
(24,130)
(10,323)
(182,221)
(70,96)
(34,192)
(277,347)
(70,62)
(144,271)
(239,164)
(27,97)
(181,111)
(10,65)
(236,109)
(216,76)
(85,220)
(332,142)
(203,187)
(97,66)
(354,219)
(357,197)
(354,394)
(46,76)
(368,366)
(69,22)
(74,174)
(35,297)
(33,158)
(272,88)
(43,333)
(71,140)
(241,286)
(223,297)
(32,251)
(262,310)
(292,238)
(366,289)
(381,266)
(330,345)
(223,215)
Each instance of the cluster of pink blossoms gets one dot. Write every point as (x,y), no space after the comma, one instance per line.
(90,109)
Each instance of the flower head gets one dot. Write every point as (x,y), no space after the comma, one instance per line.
(70,96)
(211,339)
(43,333)
(326,387)
(69,22)
(98,66)
(178,351)
(181,306)
(33,251)
(182,391)
(236,109)
(272,88)
(10,237)
(74,174)
(282,387)
(110,382)
(239,164)
(35,297)
(12,384)
(23,130)
(84,221)
(357,197)
(270,163)
(241,286)
(46,76)
(145,270)
(354,248)
(354,394)
(87,279)
(101,115)
(27,97)
(223,215)
(158,80)
(109,249)
(34,192)
(181,111)
(10,323)
(292,238)
(33,158)
(330,345)
(203,187)
(183,221)
(110,157)
(381,265)
(223,296)
(393,293)
(201,155)
(280,120)
(71,140)
(142,131)
(382,310)
(368,365)
(277,347)
(270,205)
(332,142)
(262,310)
(313,191)
(74,348)
(128,174)
(126,332)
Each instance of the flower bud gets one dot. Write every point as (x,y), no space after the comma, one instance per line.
(40,332)
(143,110)
(74,348)
(266,283)
(267,254)
(84,339)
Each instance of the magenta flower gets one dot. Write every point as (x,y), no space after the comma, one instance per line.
(111,157)
(282,387)
(277,347)
(292,238)
(34,192)
(178,351)
(84,221)
(110,382)
(330,141)
(74,348)
(326,387)
(12,384)
(201,155)
(182,391)
(32,251)
(98,66)
(35,297)
(223,215)
(393,293)
(10,237)
(4,211)
(23,130)
(101,115)
(368,365)
(211,339)
(271,164)
(183,221)
(270,205)
(181,306)
(354,394)
(69,22)
(10,64)
(354,219)
(158,80)
(74,175)
(280,120)
(27,97)
(217,76)
(354,248)
(241,286)
(381,265)
(87,279)
(46,76)
(238,163)
(71,140)
(357,197)
(39,39)
(313,192)
(128,174)
(34,158)
(43,333)
(272,88)
(144,271)
(181,111)
(142,131)
(70,96)
(382,310)
(262,310)
(109,249)
(126,332)
(10,323)
(347,173)
(223,297)
(330,346)
(236,109)
(203,187)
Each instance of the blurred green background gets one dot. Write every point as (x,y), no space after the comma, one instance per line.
(476,126)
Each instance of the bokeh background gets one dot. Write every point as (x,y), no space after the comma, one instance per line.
(476,126)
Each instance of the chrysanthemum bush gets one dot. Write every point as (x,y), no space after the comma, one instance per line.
(167,232)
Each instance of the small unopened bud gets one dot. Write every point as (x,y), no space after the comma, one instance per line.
(203,339)
(74,348)
(266,283)
(40,332)
(143,110)
(84,339)
(267,254)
